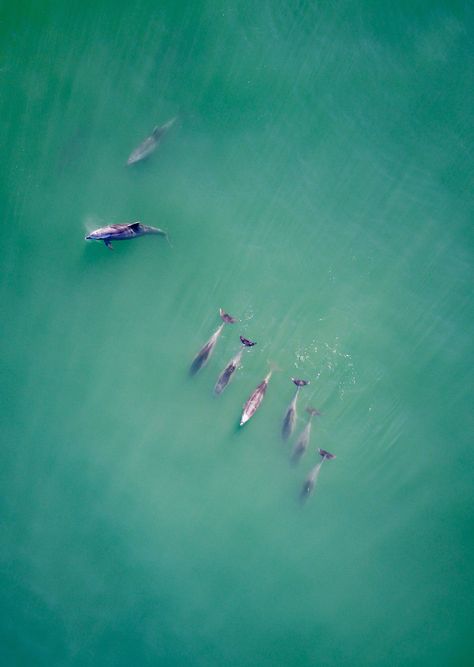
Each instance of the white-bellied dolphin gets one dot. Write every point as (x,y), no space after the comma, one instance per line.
(202,357)
(122,232)
(253,402)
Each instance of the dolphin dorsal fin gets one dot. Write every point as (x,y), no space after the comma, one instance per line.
(135,226)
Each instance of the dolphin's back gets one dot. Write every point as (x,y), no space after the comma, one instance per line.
(301,444)
(224,378)
(201,357)
(288,422)
(143,150)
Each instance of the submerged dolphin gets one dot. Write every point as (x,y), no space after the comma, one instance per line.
(290,416)
(303,441)
(310,481)
(202,357)
(253,402)
(150,144)
(226,375)
(122,232)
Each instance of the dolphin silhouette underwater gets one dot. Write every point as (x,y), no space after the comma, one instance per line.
(202,357)
(310,481)
(303,441)
(255,399)
(228,372)
(290,416)
(150,144)
(122,232)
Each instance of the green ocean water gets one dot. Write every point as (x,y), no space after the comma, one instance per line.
(318,186)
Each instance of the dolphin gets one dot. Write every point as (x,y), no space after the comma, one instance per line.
(303,441)
(150,144)
(128,230)
(310,481)
(290,416)
(253,402)
(226,375)
(202,357)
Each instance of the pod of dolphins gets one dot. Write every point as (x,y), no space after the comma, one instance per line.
(126,231)
(256,397)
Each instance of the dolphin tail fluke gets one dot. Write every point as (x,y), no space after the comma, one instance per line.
(326,455)
(225,317)
(299,383)
(247,342)
(168,240)
(160,232)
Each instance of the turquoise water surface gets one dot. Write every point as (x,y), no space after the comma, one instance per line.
(317,185)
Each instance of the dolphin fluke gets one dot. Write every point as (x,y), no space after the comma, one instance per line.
(247,342)
(300,383)
(225,317)
(155,230)
(326,455)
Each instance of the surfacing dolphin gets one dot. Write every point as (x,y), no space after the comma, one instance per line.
(226,375)
(202,357)
(303,441)
(253,402)
(122,232)
(310,481)
(290,416)
(147,147)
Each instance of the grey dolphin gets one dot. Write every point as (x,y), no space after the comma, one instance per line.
(202,357)
(256,397)
(310,481)
(303,441)
(150,144)
(122,232)
(290,416)
(226,375)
